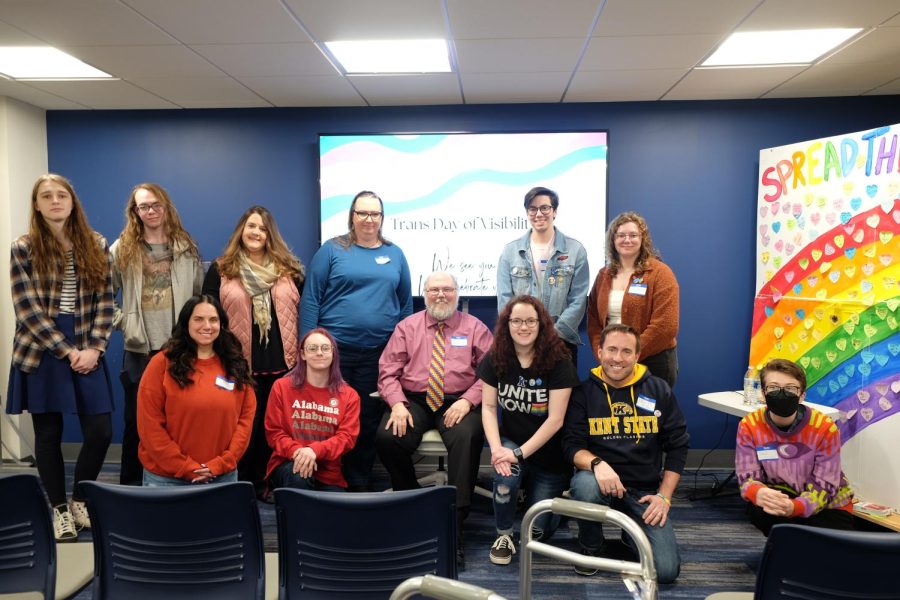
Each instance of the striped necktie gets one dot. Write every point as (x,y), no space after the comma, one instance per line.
(434,395)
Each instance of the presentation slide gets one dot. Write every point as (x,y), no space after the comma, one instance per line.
(453,200)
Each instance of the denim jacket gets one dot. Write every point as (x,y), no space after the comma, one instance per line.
(566,281)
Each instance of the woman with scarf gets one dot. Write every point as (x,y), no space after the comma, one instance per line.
(258,281)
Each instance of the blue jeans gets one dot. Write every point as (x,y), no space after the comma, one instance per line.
(590,533)
(284,477)
(540,484)
(359,368)
(153,480)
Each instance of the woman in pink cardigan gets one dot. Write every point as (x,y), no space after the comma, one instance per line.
(258,281)
(637,289)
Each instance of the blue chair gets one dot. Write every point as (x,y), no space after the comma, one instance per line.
(188,542)
(826,564)
(27,547)
(333,545)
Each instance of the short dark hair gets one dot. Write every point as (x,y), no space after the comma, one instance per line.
(542,191)
(621,328)
(789,368)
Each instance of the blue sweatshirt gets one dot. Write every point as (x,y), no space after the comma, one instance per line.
(358,294)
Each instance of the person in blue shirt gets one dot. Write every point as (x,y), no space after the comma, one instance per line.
(546,264)
(358,288)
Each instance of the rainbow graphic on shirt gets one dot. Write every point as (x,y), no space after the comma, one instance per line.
(827,270)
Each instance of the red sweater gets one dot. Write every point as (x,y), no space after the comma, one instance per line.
(312,417)
(202,423)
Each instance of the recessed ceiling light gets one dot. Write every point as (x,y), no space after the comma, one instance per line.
(43,63)
(800,46)
(391,56)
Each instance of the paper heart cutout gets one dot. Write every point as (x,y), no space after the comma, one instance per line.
(789,249)
(863,396)
(873,221)
(815,218)
(798,288)
(865,285)
(855,203)
(885,236)
(850,253)
(867,414)
(884,403)
(885,259)
(868,269)
(895,386)
(841,344)
(850,270)
(816,255)
(829,250)
(834,276)
(858,236)
(871,190)
(789,276)
(813,281)
(881,388)
(779,245)
(845,217)
(779,332)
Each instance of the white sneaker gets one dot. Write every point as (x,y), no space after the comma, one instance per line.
(502,550)
(80,515)
(64,525)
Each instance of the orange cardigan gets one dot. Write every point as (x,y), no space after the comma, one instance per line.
(654,315)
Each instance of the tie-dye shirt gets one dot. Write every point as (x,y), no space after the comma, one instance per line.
(804,462)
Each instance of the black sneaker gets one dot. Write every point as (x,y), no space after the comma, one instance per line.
(503,550)
(587,571)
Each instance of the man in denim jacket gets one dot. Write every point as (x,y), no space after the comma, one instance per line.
(546,264)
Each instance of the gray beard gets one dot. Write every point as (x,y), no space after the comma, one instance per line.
(442,311)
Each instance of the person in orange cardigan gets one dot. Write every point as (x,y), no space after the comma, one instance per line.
(636,288)
(195,402)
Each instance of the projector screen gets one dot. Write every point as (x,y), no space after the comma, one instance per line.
(453,200)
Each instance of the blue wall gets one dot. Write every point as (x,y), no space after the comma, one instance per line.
(689,167)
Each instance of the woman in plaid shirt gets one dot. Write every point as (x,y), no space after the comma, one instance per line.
(62,295)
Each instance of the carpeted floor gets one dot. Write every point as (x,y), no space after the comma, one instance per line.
(719,548)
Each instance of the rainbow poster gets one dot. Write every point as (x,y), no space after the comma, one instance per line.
(827,270)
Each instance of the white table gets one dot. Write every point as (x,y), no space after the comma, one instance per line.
(732,403)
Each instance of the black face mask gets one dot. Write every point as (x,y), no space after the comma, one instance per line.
(782,403)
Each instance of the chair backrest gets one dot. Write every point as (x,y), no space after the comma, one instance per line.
(189,542)
(27,546)
(333,545)
(826,564)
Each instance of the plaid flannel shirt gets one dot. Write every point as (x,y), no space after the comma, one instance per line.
(36,304)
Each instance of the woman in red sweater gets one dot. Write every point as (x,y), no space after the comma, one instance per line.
(312,419)
(195,401)
(637,289)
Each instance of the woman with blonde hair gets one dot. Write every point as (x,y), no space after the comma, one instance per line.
(258,281)
(63,302)
(156,265)
(638,289)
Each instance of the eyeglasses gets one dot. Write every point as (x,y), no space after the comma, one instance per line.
(367,215)
(545,209)
(156,207)
(628,236)
(772,388)
(526,322)
(445,290)
(314,348)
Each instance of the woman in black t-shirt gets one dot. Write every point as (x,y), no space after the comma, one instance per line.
(529,375)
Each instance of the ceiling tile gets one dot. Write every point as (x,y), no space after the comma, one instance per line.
(267,60)
(514,87)
(519,55)
(480,19)
(82,23)
(103,94)
(13,36)
(647,52)
(222,21)
(723,84)
(809,14)
(309,90)
(887,89)
(352,20)
(408,90)
(854,79)
(881,45)
(36,97)
(652,17)
(131,62)
(217,92)
(619,86)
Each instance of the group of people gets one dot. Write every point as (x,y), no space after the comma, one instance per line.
(266,371)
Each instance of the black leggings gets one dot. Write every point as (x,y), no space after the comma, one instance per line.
(96,431)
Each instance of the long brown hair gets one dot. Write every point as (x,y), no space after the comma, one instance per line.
(48,257)
(132,237)
(613,261)
(287,265)
(548,347)
(349,238)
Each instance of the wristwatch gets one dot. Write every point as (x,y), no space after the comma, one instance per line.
(595,462)
(517,452)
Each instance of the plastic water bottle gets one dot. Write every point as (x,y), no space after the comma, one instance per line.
(751,387)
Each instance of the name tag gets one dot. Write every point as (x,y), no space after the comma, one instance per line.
(224,383)
(459,341)
(382,260)
(768,452)
(645,403)
(638,289)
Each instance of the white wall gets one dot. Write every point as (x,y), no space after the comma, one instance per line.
(23,157)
